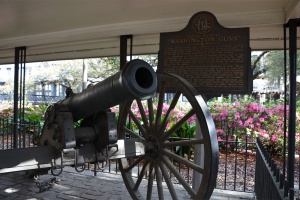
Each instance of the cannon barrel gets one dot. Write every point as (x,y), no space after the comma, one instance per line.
(137,80)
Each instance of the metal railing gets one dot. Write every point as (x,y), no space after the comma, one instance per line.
(35,99)
(237,151)
(269,183)
(43,99)
(236,168)
(27,134)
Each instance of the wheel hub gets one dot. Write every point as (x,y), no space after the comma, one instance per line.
(151,148)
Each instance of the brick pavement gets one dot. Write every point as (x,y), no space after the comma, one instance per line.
(73,185)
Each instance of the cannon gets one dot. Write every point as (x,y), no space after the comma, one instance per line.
(136,80)
(152,139)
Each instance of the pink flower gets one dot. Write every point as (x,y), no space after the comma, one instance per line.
(216,107)
(250,119)
(180,114)
(224,115)
(280,131)
(237,115)
(271,111)
(280,107)
(240,122)
(265,135)
(166,107)
(261,119)
(220,131)
(274,138)
(168,125)
(191,119)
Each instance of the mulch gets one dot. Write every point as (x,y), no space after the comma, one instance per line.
(236,172)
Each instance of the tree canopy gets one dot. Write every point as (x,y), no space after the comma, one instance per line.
(69,73)
(270,65)
(267,64)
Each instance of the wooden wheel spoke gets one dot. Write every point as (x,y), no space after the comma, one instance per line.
(179,177)
(141,175)
(135,163)
(159,181)
(177,125)
(143,114)
(150,182)
(182,160)
(168,180)
(151,111)
(137,122)
(133,134)
(182,143)
(168,113)
(160,104)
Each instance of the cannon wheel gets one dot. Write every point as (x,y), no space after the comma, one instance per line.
(161,164)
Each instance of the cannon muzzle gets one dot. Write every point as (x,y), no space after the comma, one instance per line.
(137,80)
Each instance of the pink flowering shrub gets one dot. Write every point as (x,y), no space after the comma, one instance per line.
(235,123)
(176,114)
(31,112)
(244,121)
(6,111)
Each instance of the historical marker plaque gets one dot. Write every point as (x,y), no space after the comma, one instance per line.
(214,59)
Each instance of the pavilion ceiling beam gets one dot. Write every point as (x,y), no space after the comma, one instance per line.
(233,19)
(292,10)
(251,18)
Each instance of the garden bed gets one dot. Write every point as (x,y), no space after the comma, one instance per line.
(236,172)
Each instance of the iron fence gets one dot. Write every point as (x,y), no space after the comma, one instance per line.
(245,166)
(44,99)
(269,183)
(237,150)
(34,99)
(236,166)
(27,133)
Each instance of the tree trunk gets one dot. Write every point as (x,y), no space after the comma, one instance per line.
(84,75)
